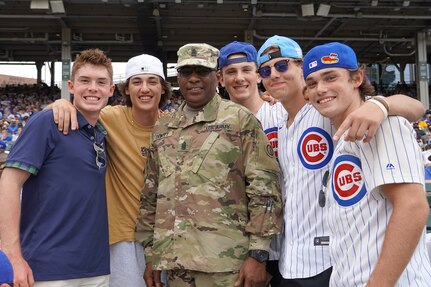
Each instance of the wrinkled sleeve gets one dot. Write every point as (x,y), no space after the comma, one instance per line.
(262,177)
(147,211)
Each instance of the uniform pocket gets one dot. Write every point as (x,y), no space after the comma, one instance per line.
(166,166)
(216,158)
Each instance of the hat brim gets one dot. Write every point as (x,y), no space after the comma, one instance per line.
(196,62)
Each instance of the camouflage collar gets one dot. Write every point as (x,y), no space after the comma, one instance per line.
(208,114)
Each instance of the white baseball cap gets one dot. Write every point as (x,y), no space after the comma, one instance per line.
(144,64)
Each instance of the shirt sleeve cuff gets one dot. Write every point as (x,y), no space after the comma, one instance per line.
(259,243)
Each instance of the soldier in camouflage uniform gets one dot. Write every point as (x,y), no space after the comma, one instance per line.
(211,199)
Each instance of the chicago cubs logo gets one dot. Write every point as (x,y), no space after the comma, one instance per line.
(272,135)
(315,148)
(348,185)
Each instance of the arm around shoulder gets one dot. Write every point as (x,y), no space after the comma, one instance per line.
(404,106)
(65,115)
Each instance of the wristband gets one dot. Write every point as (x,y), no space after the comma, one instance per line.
(381,106)
(383,101)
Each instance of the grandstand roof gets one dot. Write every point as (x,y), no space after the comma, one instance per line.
(379,30)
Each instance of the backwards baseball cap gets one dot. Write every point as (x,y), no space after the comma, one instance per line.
(6,271)
(144,64)
(287,48)
(199,54)
(233,48)
(328,56)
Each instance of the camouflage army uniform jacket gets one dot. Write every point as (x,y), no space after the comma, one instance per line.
(215,183)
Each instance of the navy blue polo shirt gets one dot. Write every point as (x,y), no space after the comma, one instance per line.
(64,225)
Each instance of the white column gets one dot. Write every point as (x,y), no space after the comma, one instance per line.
(421,69)
(66,62)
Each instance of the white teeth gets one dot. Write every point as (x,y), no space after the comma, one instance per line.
(92,98)
(325,100)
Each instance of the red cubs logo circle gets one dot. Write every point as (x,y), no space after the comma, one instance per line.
(272,135)
(315,148)
(347,180)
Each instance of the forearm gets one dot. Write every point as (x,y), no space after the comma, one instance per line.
(147,209)
(264,209)
(401,238)
(146,219)
(409,108)
(144,233)
(9,219)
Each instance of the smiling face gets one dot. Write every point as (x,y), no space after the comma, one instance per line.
(240,80)
(91,87)
(334,92)
(197,90)
(145,91)
(283,86)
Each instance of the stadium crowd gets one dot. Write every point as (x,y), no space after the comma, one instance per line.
(19,102)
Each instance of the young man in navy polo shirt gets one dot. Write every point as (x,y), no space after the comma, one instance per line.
(59,235)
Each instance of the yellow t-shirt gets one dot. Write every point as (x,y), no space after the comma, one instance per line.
(125,172)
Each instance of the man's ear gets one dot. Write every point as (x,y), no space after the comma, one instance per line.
(126,90)
(358,78)
(305,94)
(112,89)
(220,78)
(259,78)
(70,86)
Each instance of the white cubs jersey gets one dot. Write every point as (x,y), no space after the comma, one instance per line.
(359,212)
(271,117)
(304,152)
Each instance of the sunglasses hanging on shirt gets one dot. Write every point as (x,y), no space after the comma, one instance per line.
(100,155)
(322,194)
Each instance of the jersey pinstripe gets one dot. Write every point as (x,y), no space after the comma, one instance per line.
(271,117)
(305,149)
(358,211)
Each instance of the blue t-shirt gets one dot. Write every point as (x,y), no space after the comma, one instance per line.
(12,129)
(64,225)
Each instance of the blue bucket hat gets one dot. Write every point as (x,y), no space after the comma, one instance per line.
(327,56)
(287,48)
(6,271)
(233,48)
